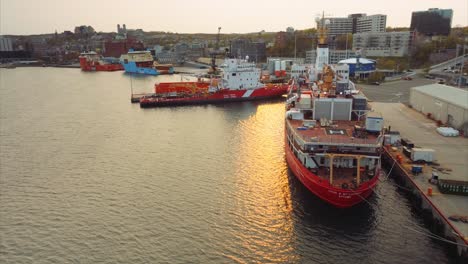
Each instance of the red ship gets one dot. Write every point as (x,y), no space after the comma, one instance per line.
(240,81)
(332,145)
(91,61)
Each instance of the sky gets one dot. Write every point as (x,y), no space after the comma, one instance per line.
(27,17)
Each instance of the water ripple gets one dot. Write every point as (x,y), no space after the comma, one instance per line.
(87,177)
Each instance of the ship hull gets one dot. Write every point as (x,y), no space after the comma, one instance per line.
(321,188)
(132,67)
(86,65)
(223,96)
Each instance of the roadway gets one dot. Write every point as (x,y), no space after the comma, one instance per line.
(394,91)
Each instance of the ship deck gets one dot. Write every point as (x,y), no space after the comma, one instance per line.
(340,132)
(342,176)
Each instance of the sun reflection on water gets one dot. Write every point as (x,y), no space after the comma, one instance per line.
(263,194)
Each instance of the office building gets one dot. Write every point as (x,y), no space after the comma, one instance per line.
(432,22)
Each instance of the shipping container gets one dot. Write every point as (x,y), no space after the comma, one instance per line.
(421,154)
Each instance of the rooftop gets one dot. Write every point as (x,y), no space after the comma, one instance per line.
(446,93)
(354,61)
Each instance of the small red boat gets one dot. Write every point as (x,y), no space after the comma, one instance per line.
(240,81)
(91,61)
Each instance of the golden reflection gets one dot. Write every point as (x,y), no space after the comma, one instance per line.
(262,186)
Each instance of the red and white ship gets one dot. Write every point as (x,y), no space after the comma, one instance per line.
(240,81)
(333,146)
(91,61)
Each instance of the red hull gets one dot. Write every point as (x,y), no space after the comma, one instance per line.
(86,65)
(340,198)
(223,96)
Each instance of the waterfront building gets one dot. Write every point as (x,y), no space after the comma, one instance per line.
(361,67)
(442,102)
(383,44)
(432,22)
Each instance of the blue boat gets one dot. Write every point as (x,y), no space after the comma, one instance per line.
(142,62)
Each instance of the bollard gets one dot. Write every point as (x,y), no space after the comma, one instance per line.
(429,191)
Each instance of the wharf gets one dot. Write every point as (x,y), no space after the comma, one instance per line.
(135,98)
(451,153)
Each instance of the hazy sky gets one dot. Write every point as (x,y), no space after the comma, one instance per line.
(203,16)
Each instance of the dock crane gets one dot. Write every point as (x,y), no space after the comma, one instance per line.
(214,53)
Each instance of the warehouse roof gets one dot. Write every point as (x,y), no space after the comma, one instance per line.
(446,93)
(354,61)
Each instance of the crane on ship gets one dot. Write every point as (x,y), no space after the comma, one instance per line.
(214,53)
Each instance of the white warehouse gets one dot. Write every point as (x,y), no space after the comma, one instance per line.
(445,103)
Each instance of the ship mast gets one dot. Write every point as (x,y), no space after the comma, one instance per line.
(322,46)
(322,31)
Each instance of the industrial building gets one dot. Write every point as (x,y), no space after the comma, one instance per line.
(441,102)
(359,67)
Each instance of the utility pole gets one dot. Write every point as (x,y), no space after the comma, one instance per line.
(295,46)
(346,47)
(461,67)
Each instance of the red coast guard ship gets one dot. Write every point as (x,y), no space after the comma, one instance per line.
(333,144)
(91,61)
(240,81)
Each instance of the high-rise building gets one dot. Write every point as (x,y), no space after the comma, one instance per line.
(374,23)
(355,23)
(432,22)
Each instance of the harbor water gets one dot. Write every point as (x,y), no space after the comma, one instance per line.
(87,177)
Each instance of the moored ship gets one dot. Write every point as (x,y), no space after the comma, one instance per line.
(333,144)
(240,81)
(142,62)
(91,61)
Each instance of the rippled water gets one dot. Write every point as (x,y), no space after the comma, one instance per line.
(87,177)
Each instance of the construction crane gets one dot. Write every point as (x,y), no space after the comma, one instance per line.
(214,53)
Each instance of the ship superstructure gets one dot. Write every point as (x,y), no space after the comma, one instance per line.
(142,62)
(240,81)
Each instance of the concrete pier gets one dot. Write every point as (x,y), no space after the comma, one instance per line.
(451,163)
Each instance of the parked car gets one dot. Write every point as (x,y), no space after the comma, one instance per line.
(407,78)
(441,81)
(375,83)
(428,76)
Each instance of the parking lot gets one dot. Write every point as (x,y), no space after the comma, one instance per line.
(394,91)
